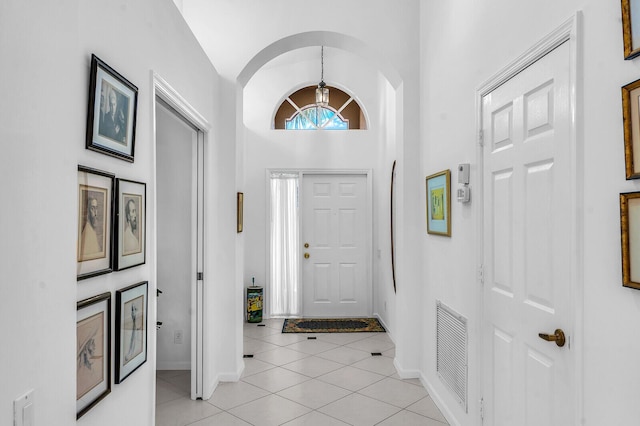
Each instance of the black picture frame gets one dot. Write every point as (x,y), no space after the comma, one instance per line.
(131,329)
(112,111)
(131,213)
(93,352)
(95,211)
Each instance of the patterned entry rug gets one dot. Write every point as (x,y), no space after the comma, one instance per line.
(331,325)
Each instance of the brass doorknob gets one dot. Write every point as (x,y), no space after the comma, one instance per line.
(306,245)
(558,337)
(306,255)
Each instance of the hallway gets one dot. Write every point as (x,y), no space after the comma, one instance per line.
(292,380)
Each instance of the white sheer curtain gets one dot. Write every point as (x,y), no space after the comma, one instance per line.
(285,295)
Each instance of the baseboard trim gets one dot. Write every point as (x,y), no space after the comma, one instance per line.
(180,365)
(232,376)
(442,406)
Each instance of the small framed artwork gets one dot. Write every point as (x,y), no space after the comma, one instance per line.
(631,28)
(95,219)
(93,363)
(240,207)
(630,241)
(131,329)
(631,120)
(111,119)
(439,203)
(130,243)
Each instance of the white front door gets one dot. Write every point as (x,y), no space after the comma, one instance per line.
(529,204)
(335,246)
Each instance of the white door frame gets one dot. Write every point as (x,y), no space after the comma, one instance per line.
(161,89)
(369,214)
(570,31)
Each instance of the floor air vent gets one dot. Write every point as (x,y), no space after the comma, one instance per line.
(451,330)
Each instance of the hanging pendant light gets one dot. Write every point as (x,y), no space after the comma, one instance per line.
(322,92)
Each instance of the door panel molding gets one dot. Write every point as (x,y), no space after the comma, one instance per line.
(568,32)
(367,173)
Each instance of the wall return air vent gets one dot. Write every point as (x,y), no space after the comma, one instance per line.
(451,330)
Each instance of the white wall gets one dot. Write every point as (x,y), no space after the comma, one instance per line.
(463,44)
(175,147)
(45,49)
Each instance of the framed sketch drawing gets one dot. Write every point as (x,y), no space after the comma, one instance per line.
(93,352)
(439,203)
(630,241)
(631,28)
(240,211)
(130,243)
(631,120)
(95,215)
(131,329)
(111,119)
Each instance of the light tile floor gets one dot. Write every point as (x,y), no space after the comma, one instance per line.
(294,381)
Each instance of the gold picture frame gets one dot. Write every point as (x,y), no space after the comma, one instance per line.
(631,122)
(631,22)
(438,186)
(630,238)
(240,208)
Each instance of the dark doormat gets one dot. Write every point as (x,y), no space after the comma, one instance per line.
(332,325)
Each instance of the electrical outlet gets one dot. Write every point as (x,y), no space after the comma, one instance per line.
(177,337)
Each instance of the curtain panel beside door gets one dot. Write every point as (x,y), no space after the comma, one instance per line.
(284,293)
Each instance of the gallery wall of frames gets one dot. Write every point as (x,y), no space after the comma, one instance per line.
(111,237)
(630,201)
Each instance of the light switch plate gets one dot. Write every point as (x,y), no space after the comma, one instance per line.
(23,410)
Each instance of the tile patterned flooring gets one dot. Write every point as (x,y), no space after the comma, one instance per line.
(294,381)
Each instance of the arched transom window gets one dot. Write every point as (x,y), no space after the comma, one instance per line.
(300,112)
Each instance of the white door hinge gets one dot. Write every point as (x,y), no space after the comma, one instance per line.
(482,409)
(481,137)
(481,274)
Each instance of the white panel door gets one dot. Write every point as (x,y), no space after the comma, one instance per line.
(528,225)
(335,277)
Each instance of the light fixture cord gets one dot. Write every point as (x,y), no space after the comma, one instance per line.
(322,63)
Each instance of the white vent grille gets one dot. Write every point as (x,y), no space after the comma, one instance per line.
(451,330)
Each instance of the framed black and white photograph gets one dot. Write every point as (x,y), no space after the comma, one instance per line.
(95,220)
(131,329)
(111,119)
(631,28)
(93,352)
(131,224)
(630,238)
(631,123)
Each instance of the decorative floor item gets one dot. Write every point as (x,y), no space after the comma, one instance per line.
(332,325)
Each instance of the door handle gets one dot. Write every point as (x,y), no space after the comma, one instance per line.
(558,337)
(306,255)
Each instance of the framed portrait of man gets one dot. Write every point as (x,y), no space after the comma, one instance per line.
(131,329)
(131,223)
(95,213)
(111,119)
